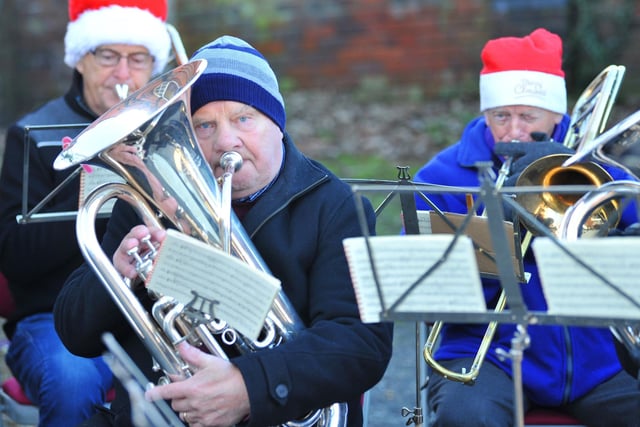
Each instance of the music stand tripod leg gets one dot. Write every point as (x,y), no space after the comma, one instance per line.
(519,344)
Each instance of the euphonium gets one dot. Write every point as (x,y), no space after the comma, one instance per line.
(148,139)
(588,119)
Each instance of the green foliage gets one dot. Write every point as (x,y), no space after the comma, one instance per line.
(287,85)
(598,33)
(360,167)
(371,89)
(262,15)
(372,168)
(377,88)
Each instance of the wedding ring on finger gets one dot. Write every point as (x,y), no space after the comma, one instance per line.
(185,417)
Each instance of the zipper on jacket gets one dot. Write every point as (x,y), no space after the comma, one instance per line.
(569,375)
(287,203)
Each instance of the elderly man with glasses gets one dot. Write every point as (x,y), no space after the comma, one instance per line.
(114,48)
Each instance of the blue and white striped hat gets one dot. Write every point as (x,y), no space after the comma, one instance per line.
(236,71)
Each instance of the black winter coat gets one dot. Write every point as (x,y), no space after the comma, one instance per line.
(38,257)
(297,226)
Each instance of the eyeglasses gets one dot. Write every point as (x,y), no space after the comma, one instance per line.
(111,58)
(502,117)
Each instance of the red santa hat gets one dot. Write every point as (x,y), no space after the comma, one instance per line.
(523,71)
(137,22)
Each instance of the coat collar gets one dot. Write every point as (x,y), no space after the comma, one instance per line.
(75,97)
(298,176)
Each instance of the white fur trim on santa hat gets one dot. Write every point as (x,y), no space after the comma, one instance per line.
(521,87)
(117,25)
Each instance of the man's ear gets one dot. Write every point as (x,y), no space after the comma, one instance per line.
(558,118)
(80,65)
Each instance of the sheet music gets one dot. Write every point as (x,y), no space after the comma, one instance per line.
(400,261)
(213,282)
(570,289)
(97,176)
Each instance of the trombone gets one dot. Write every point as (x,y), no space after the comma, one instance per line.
(618,147)
(588,120)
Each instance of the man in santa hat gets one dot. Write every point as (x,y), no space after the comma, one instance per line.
(114,47)
(523,101)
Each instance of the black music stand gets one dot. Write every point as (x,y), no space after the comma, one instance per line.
(495,220)
(56,132)
(517,312)
(458,244)
(53,135)
(143,412)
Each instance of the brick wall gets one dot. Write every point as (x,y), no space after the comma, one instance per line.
(31,54)
(335,44)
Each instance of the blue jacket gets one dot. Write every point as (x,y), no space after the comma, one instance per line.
(562,363)
(297,226)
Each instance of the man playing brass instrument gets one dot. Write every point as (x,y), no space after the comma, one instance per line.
(522,91)
(109,45)
(297,214)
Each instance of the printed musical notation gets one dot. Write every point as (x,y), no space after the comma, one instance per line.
(610,290)
(399,261)
(210,280)
(97,176)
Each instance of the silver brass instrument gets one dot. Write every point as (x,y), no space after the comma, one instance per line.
(588,119)
(619,147)
(122,91)
(149,140)
(591,112)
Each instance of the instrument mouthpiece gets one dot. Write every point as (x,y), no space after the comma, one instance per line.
(539,136)
(122,90)
(231,159)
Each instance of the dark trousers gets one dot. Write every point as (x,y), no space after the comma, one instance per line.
(490,401)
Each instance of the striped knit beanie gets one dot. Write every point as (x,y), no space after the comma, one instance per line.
(237,72)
